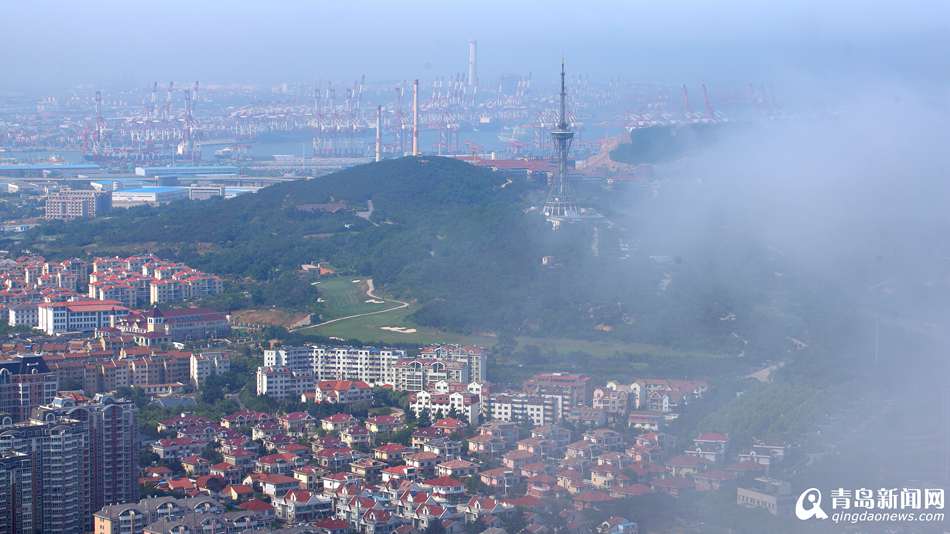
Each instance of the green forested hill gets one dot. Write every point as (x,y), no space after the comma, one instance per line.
(442,232)
(462,243)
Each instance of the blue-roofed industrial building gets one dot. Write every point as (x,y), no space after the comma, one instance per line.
(188,170)
(38,169)
(151,196)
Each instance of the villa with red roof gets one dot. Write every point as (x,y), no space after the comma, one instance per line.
(300,505)
(342,392)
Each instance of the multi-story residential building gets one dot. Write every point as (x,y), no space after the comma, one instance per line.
(416,374)
(112,468)
(78,316)
(143,280)
(663,395)
(342,392)
(176,448)
(375,366)
(614,401)
(205,364)
(710,446)
(575,389)
(539,409)
(16,492)
(195,323)
(69,204)
(465,405)
(156,327)
(58,452)
(25,383)
(119,290)
(475,358)
(771,494)
(283,382)
(369,364)
(162,291)
(24,315)
(294,358)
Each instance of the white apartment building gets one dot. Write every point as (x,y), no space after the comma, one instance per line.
(515,407)
(476,358)
(78,316)
(24,315)
(206,364)
(464,403)
(283,382)
(296,358)
(369,364)
(384,366)
(418,374)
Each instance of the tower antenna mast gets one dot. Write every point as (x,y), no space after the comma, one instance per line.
(560,205)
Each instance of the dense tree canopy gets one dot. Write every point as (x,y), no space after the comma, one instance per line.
(463,243)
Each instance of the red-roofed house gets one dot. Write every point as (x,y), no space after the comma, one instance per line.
(294,422)
(301,505)
(446,489)
(355,436)
(383,423)
(456,468)
(282,464)
(238,492)
(342,391)
(257,506)
(332,526)
(337,422)
(399,472)
(390,452)
(378,521)
(710,445)
(449,425)
(673,486)
(685,465)
(272,485)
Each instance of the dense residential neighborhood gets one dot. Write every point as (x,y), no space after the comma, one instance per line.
(200,425)
(355,439)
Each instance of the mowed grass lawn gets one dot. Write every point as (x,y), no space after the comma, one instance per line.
(369,329)
(342,297)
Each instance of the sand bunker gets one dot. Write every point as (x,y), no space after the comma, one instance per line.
(398,329)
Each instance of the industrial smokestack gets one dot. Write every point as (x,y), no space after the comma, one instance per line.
(415,117)
(379,133)
(472,64)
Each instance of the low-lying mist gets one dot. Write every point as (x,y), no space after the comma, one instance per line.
(843,218)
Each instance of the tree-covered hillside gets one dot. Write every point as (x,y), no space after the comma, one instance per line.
(463,243)
(441,231)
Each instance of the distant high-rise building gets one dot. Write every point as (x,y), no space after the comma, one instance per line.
(25,383)
(81,456)
(113,436)
(473,63)
(71,204)
(16,492)
(58,494)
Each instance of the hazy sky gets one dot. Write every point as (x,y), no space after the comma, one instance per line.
(56,43)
